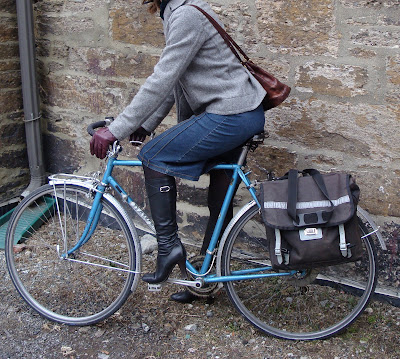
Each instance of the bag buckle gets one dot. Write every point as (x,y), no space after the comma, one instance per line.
(310,233)
(312,219)
(343,245)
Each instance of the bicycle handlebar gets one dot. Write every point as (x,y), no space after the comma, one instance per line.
(91,128)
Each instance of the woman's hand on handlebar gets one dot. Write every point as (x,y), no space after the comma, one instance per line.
(138,137)
(100,142)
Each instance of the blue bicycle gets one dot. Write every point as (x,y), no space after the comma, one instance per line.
(74,235)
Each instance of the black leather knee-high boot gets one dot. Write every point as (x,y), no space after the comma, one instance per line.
(161,192)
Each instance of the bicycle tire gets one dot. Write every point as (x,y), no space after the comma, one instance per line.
(317,305)
(74,293)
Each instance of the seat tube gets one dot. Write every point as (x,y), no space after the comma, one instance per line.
(220,221)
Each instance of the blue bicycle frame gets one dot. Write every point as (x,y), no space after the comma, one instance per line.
(108,180)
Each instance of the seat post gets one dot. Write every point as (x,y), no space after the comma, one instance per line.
(243,154)
(251,144)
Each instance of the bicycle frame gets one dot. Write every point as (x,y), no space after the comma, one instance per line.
(237,175)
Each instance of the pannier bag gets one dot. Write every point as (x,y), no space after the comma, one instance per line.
(311,219)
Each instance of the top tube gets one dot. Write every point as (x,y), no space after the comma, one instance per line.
(137,163)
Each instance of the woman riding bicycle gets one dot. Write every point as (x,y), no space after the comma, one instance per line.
(218,107)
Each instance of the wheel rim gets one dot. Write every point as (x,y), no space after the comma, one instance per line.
(295,308)
(74,293)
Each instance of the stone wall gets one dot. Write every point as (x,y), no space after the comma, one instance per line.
(341,58)
(14,169)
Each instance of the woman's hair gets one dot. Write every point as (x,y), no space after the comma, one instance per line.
(154,6)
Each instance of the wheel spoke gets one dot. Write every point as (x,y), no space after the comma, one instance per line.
(311,304)
(77,291)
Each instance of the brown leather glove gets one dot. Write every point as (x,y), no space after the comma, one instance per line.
(138,136)
(100,142)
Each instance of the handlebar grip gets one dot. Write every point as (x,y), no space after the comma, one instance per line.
(91,128)
(98,124)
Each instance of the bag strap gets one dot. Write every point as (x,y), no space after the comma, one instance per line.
(229,41)
(312,218)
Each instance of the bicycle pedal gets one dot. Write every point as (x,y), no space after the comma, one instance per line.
(154,287)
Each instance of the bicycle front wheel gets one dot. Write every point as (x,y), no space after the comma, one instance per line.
(86,285)
(314,304)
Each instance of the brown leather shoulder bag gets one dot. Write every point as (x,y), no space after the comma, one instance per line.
(277,92)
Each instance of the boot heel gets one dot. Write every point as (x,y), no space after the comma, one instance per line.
(182,267)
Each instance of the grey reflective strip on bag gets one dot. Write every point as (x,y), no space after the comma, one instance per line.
(306,205)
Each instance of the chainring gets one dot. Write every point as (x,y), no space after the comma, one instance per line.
(208,289)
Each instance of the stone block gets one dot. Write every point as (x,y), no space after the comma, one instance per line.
(105,62)
(376,37)
(60,155)
(10,101)
(353,130)
(10,65)
(12,134)
(393,71)
(379,190)
(54,49)
(373,18)
(277,160)
(309,29)
(63,26)
(77,6)
(362,53)
(8,29)
(376,4)
(194,227)
(279,67)
(133,182)
(14,158)
(12,182)
(240,23)
(80,93)
(10,79)
(334,80)
(8,6)
(9,50)
(189,192)
(49,6)
(131,23)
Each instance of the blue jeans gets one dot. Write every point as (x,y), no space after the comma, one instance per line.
(187,149)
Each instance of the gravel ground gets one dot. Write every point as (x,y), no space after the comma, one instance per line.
(149,325)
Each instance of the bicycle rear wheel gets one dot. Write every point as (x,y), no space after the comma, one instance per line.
(91,283)
(315,304)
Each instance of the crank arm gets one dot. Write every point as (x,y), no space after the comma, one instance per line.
(198,283)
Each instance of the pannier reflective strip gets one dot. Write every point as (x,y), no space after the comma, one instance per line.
(306,205)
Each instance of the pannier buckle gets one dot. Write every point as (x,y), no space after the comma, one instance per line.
(310,231)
